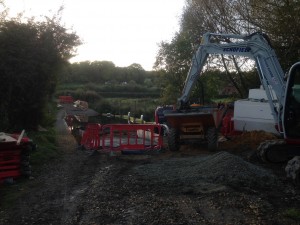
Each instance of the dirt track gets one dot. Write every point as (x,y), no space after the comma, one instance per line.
(191,186)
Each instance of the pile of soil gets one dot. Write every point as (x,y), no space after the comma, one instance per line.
(247,141)
(221,168)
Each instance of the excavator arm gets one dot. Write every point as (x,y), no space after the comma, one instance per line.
(256,47)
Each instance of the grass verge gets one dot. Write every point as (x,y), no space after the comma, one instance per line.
(47,148)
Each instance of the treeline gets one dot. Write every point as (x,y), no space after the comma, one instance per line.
(105,72)
(31,54)
(104,79)
(91,92)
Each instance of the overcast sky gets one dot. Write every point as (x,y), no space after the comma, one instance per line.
(121,31)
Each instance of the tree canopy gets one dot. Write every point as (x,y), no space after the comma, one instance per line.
(31,54)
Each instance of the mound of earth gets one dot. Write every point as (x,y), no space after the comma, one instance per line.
(219,168)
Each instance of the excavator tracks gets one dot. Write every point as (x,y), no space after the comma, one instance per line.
(274,151)
(278,151)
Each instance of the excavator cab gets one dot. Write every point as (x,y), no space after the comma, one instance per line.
(291,116)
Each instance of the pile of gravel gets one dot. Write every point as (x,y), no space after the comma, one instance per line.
(220,168)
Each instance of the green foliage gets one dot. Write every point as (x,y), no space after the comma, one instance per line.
(47,149)
(92,81)
(173,61)
(280,21)
(49,113)
(103,106)
(148,82)
(209,86)
(292,213)
(93,92)
(101,72)
(31,55)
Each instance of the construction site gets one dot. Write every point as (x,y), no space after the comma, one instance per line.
(193,185)
(196,164)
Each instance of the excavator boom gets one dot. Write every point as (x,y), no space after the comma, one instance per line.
(256,47)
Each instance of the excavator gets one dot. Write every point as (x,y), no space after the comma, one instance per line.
(282,91)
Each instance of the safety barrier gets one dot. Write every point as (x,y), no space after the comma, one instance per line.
(131,137)
(90,138)
(65,99)
(122,137)
(14,156)
(227,129)
(228,126)
(10,166)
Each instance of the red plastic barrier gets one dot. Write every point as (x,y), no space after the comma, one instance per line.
(10,164)
(14,156)
(90,138)
(121,137)
(65,99)
(131,137)
(227,126)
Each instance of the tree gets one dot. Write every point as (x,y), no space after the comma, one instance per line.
(31,54)
(277,18)
(174,58)
(148,82)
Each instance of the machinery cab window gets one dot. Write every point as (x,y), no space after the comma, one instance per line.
(292,105)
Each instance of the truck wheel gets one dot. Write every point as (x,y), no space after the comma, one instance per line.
(173,139)
(212,138)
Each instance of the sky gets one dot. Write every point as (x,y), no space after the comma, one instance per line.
(121,31)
